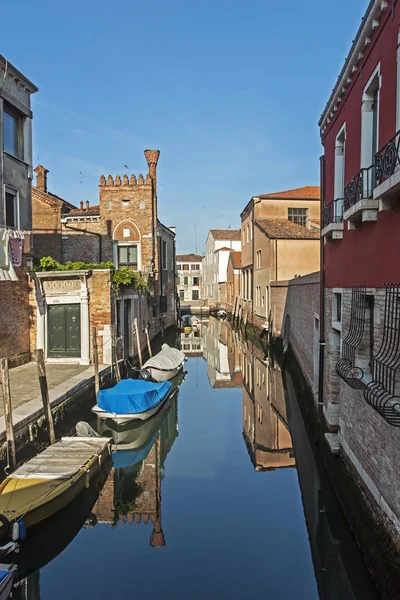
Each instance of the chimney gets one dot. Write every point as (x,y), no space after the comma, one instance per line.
(41,178)
(87,204)
(81,205)
(152,157)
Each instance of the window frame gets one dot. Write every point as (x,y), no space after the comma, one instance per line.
(297,215)
(164,255)
(17,217)
(18,134)
(128,264)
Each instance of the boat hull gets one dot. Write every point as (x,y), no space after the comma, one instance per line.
(161,376)
(7,583)
(127,418)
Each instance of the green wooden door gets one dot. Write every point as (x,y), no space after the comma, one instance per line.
(64,330)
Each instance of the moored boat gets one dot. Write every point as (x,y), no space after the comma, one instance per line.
(164,365)
(7,574)
(46,484)
(131,399)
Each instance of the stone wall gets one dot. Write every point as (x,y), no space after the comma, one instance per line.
(301,308)
(278,302)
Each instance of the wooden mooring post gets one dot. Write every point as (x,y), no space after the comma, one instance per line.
(5,380)
(44,390)
(138,343)
(115,353)
(95,361)
(148,342)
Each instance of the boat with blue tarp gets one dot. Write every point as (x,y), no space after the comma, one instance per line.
(131,399)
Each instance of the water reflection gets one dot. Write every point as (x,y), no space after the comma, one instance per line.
(132,492)
(299,544)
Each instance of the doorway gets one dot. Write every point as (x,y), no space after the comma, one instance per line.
(64,330)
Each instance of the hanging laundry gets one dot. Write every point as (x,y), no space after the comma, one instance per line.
(16,251)
(7,271)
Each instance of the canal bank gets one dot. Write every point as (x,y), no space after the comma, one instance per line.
(379,553)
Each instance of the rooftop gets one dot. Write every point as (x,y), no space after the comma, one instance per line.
(52,199)
(189,258)
(236,258)
(92,210)
(225,234)
(225,248)
(284,229)
(308,192)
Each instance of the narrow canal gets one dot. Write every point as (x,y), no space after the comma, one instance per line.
(221,495)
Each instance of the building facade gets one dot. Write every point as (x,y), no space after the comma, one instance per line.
(15,211)
(233,277)
(289,215)
(361,222)
(215,264)
(189,268)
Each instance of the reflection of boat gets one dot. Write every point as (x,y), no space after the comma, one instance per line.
(164,365)
(7,574)
(47,483)
(48,539)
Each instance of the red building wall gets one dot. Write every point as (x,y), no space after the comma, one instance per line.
(365,255)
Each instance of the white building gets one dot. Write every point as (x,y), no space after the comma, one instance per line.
(190,276)
(218,245)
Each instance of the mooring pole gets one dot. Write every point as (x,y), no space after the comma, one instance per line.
(148,341)
(115,354)
(138,343)
(44,390)
(95,361)
(5,379)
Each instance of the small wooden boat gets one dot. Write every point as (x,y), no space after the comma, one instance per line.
(164,365)
(7,574)
(132,399)
(47,483)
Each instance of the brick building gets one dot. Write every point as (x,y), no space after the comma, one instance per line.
(361,222)
(15,211)
(123,229)
(280,233)
(189,269)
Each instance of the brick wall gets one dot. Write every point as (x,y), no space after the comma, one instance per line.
(15,319)
(302,303)
(46,227)
(101,307)
(85,246)
(278,302)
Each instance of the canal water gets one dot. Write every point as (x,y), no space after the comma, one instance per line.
(221,495)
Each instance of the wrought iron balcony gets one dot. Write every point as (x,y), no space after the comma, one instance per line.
(387,172)
(382,393)
(332,219)
(358,198)
(346,367)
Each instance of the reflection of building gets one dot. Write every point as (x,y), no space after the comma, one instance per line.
(218,355)
(192,342)
(265,427)
(133,494)
(189,268)
(215,263)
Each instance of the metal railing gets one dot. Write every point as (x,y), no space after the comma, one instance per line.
(387,159)
(345,367)
(361,187)
(333,212)
(382,393)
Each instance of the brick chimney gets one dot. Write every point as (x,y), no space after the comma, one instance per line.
(41,178)
(87,204)
(152,157)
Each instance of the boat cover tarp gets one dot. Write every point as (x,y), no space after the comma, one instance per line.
(127,458)
(166,360)
(132,396)
(3,574)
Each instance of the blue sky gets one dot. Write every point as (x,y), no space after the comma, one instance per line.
(229,91)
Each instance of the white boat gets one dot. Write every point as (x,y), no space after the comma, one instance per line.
(222,314)
(163,366)
(135,400)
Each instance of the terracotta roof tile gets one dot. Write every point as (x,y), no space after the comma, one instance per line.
(284,229)
(308,192)
(189,258)
(52,200)
(225,234)
(82,212)
(224,248)
(236,258)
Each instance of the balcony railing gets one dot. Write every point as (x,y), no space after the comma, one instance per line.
(333,212)
(387,159)
(359,188)
(382,393)
(346,367)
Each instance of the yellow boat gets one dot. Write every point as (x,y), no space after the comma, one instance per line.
(48,482)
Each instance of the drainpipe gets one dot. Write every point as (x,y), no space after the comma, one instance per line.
(64,222)
(322,291)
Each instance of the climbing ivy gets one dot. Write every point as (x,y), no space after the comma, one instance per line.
(120,277)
